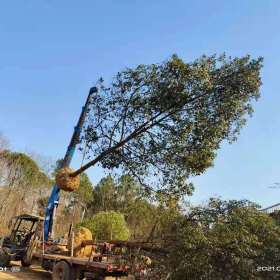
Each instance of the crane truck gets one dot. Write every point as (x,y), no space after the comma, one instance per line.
(31,236)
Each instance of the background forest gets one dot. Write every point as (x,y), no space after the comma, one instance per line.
(219,240)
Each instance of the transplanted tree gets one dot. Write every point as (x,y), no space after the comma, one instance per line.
(163,123)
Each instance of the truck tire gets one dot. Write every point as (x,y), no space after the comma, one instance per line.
(27,257)
(62,271)
(4,258)
(25,262)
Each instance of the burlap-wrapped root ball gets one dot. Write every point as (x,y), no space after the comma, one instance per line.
(66,182)
(81,234)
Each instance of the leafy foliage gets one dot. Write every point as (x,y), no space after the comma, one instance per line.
(107,226)
(85,191)
(231,240)
(104,195)
(145,219)
(22,182)
(276,216)
(23,170)
(112,194)
(4,142)
(163,123)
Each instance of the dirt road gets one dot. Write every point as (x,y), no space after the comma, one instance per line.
(35,272)
(16,272)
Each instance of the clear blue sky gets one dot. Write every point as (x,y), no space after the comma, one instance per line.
(51,52)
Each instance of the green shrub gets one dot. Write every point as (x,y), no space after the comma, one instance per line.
(109,225)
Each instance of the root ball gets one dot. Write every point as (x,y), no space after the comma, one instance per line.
(81,234)
(65,182)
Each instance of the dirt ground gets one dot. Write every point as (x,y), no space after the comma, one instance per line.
(16,272)
(35,272)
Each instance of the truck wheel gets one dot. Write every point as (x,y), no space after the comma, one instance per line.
(24,262)
(4,258)
(27,257)
(62,271)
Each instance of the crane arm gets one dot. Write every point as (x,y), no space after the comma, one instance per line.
(54,197)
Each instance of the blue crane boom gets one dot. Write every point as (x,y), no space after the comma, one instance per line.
(54,197)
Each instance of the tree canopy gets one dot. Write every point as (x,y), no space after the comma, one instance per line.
(4,143)
(85,191)
(163,123)
(22,170)
(225,240)
(21,183)
(109,225)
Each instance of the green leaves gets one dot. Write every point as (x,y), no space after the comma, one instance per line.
(163,123)
(23,170)
(85,191)
(225,240)
(107,226)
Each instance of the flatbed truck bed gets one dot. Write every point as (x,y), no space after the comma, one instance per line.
(65,267)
